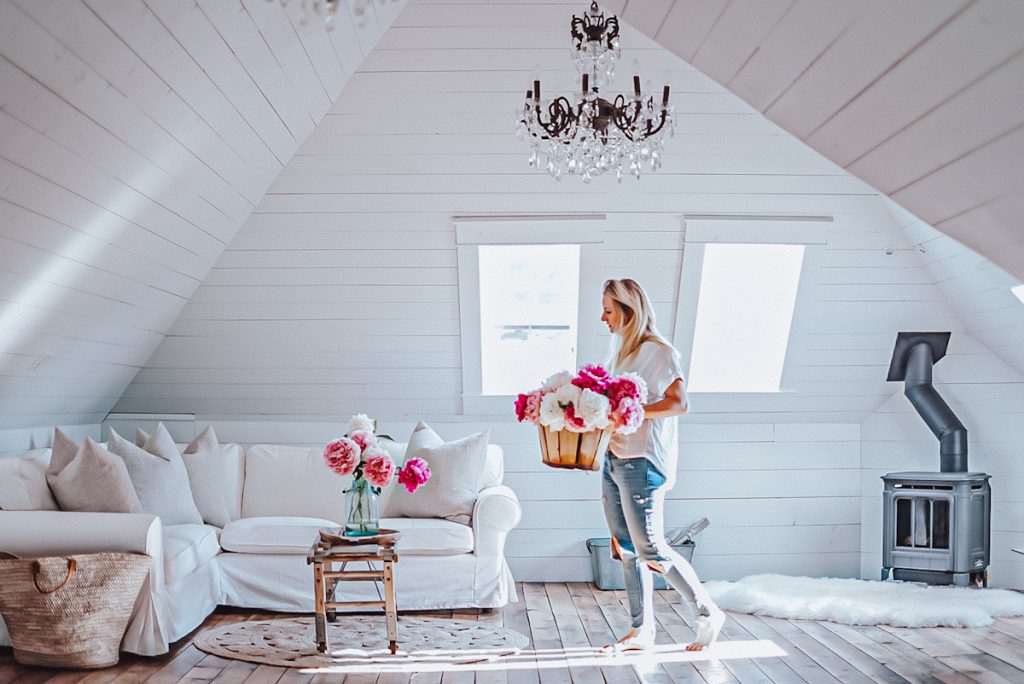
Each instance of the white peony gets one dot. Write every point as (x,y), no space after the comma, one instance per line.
(594,409)
(568,394)
(557,380)
(551,414)
(360,421)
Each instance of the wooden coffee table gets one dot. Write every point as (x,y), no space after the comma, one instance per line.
(334,548)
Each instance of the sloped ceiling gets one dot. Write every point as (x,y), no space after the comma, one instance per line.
(136,136)
(923,99)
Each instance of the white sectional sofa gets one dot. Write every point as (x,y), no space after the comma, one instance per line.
(280,499)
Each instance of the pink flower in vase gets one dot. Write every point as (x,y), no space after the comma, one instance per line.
(342,455)
(378,468)
(414,475)
(365,440)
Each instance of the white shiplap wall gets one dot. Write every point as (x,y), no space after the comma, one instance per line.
(981,379)
(340,294)
(135,138)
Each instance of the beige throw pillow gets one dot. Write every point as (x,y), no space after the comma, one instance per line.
(23,483)
(455,469)
(87,477)
(158,474)
(215,474)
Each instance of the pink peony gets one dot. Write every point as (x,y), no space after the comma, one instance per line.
(626,386)
(378,468)
(528,407)
(364,439)
(574,423)
(629,415)
(414,475)
(593,377)
(342,455)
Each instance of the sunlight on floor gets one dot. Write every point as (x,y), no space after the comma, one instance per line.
(541,659)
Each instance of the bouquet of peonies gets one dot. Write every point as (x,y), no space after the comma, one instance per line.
(592,400)
(576,415)
(359,454)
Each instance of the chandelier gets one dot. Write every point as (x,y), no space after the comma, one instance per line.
(590,135)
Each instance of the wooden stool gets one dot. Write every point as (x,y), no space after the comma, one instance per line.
(334,547)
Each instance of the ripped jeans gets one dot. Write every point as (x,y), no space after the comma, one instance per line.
(633,494)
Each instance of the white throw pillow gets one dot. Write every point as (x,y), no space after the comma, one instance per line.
(456,470)
(286,480)
(158,474)
(215,475)
(23,482)
(87,477)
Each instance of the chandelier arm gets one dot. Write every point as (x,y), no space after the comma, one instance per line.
(626,113)
(560,118)
(611,31)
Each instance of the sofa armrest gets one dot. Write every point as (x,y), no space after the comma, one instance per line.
(496,512)
(33,534)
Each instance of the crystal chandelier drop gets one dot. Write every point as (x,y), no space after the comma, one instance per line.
(591,135)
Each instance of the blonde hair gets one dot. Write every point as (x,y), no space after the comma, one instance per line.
(637,319)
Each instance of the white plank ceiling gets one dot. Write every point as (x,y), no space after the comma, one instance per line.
(136,136)
(923,99)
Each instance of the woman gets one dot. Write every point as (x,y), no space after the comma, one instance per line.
(639,470)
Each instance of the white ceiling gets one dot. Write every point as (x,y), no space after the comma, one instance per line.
(923,99)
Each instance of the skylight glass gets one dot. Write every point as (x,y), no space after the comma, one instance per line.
(529,307)
(744,315)
(1018,291)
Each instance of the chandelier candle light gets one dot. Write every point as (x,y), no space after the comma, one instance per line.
(593,135)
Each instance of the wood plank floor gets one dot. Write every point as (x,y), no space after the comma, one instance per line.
(572,615)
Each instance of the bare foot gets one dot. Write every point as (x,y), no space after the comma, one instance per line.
(708,629)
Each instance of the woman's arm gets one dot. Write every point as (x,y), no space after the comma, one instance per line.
(674,403)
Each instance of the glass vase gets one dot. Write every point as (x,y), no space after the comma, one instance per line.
(362,510)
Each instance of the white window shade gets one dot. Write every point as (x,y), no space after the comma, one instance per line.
(529,307)
(744,314)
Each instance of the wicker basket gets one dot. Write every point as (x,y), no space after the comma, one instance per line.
(70,611)
(577,450)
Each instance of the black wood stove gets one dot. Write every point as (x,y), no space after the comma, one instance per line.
(936,524)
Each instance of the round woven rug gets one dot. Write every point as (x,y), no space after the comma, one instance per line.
(359,639)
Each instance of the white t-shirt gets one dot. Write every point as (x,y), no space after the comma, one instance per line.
(657,438)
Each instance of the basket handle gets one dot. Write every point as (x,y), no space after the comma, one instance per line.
(72,566)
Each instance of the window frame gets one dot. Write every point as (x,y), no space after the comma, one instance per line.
(586,231)
(809,232)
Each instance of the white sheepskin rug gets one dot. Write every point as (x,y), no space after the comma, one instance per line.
(863,602)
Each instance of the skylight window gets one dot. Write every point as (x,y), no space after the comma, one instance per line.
(529,308)
(744,314)
(1018,291)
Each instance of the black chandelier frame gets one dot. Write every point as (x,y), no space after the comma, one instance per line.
(563,119)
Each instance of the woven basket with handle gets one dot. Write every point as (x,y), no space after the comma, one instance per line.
(70,611)
(577,450)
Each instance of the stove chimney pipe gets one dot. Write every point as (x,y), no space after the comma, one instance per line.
(912,361)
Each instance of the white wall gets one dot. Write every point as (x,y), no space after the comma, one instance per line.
(23,439)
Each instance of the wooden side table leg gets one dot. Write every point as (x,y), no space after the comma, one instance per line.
(320,619)
(390,607)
